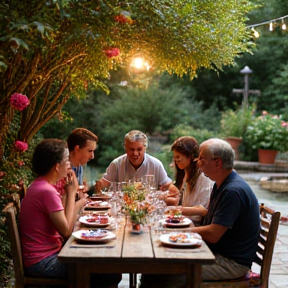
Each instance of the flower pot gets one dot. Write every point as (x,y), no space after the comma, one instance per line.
(235,143)
(266,156)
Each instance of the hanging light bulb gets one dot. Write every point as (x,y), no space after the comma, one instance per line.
(271,26)
(283,25)
(256,33)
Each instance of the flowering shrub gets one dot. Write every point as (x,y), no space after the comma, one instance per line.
(135,204)
(123,19)
(112,52)
(19,101)
(21,146)
(268,132)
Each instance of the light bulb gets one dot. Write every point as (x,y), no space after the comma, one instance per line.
(271,26)
(256,33)
(283,25)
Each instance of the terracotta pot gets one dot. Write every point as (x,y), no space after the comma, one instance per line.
(266,156)
(235,143)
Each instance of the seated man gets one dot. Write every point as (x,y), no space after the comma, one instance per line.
(134,164)
(81,144)
(231,223)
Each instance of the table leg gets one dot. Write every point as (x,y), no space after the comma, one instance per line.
(132,280)
(194,276)
(83,277)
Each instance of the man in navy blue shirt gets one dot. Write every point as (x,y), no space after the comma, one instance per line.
(231,222)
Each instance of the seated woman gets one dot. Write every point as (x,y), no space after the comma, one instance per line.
(43,221)
(194,186)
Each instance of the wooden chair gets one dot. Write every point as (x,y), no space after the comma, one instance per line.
(13,234)
(269,220)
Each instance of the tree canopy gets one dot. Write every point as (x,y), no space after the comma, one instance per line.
(51,50)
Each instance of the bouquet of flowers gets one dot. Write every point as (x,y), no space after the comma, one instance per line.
(134,202)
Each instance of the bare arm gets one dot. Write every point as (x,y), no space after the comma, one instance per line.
(100,184)
(211,233)
(64,220)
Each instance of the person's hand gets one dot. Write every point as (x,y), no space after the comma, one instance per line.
(173,191)
(98,186)
(72,183)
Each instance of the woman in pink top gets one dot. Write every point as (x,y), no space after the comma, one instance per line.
(44,223)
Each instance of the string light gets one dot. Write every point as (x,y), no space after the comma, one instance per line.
(256,33)
(268,22)
(283,25)
(271,26)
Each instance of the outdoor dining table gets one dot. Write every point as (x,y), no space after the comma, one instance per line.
(134,253)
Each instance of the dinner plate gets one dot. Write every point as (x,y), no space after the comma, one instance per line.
(98,206)
(93,236)
(184,223)
(96,223)
(193,239)
(100,197)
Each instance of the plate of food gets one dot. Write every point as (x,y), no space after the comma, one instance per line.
(97,205)
(102,197)
(95,236)
(181,239)
(96,220)
(179,221)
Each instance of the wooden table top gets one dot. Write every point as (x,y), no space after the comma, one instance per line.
(129,247)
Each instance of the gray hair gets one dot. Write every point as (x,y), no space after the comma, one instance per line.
(223,150)
(136,135)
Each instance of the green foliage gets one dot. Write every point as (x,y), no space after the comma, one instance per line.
(15,170)
(268,132)
(235,122)
(199,134)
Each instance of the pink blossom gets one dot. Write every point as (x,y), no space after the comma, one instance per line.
(2,174)
(284,124)
(21,146)
(112,52)
(19,101)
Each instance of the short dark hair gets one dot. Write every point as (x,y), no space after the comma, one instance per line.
(79,136)
(47,153)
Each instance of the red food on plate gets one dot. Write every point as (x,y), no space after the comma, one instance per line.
(92,219)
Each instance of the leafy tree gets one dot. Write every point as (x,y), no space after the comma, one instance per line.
(52,50)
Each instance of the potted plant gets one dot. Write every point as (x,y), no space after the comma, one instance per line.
(234,124)
(268,133)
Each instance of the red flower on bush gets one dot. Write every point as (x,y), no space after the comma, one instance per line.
(21,146)
(123,19)
(19,101)
(112,52)
(21,163)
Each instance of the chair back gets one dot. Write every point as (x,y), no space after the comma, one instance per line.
(15,244)
(269,223)
(13,234)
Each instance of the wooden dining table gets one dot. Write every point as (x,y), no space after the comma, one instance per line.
(134,253)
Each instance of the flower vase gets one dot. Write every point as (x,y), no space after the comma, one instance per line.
(136,228)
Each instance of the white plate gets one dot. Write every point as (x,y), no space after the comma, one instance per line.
(108,237)
(194,239)
(185,222)
(101,206)
(100,197)
(83,220)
